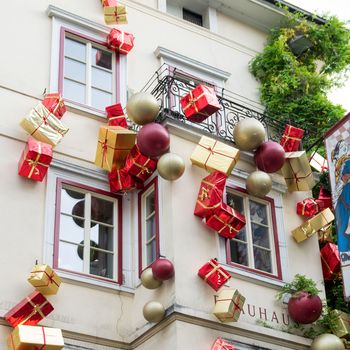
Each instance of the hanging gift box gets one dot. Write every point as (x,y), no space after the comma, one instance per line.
(55,104)
(210,194)
(44,279)
(109,3)
(120,41)
(43,125)
(318,162)
(291,138)
(297,172)
(228,305)
(113,146)
(200,103)
(35,338)
(226,221)
(29,311)
(310,227)
(35,160)
(213,155)
(325,198)
(115,115)
(341,325)
(120,180)
(221,344)
(309,207)
(325,234)
(214,274)
(115,14)
(330,259)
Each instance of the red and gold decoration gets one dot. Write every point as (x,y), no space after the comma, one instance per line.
(341,327)
(226,221)
(115,115)
(330,259)
(116,14)
(291,138)
(44,279)
(221,344)
(148,280)
(228,305)
(309,207)
(35,160)
(318,162)
(304,308)
(213,155)
(34,338)
(259,184)
(163,269)
(214,274)
(200,103)
(120,41)
(55,104)
(109,3)
(154,311)
(120,180)
(325,234)
(325,198)
(327,342)
(142,108)
(170,166)
(249,134)
(269,157)
(29,311)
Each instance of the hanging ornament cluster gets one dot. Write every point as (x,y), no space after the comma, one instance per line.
(26,315)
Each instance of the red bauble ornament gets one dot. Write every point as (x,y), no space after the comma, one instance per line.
(153,140)
(163,269)
(269,157)
(304,308)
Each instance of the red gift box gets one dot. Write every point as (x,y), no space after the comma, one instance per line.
(120,41)
(226,221)
(55,104)
(325,199)
(221,344)
(291,138)
(30,311)
(140,166)
(115,115)
(210,194)
(200,103)
(109,3)
(120,180)
(330,259)
(35,160)
(309,207)
(215,275)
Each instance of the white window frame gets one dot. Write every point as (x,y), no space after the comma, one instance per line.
(87,28)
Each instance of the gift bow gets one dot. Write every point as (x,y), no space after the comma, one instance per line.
(204,194)
(305,203)
(192,103)
(217,268)
(226,224)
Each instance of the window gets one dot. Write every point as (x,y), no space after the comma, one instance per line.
(256,245)
(148,225)
(87,231)
(192,17)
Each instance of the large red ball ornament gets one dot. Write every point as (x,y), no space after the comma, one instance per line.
(153,140)
(304,308)
(163,269)
(269,157)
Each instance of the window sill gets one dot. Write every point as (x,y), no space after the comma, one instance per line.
(86,111)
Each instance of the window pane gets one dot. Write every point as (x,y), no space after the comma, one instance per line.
(101,58)
(69,199)
(150,204)
(102,265)
(74,70)
(74,91)
(242,235)
(262,259)
(102,210)
(102,236)
(70,231)
(258,212)
(151,252)
(75,49)
(101,79)
(235,201)
(150,228)
(261,236)
(68,257)
(100,99)
(239,253)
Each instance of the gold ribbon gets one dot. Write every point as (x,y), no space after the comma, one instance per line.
(192,102)
(204,194)
(208,207)
(34,163)
(36,309)
(286,136)
(305,204)
(117,117)
(217,268)
(143,167)
(226,224)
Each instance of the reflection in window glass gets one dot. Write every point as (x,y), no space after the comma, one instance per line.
(101,58)
(75,49)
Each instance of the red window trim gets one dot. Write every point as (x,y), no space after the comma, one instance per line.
(156,207)
(59,184)
(275,236)
(63,32)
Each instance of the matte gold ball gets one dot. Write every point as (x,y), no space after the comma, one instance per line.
(327,342)
(153,311)
(142,108)
(148,280)
(170,166)
(259,184)
(249,134)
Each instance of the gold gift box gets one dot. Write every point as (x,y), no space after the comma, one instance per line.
(113,146)
(311,226)
(228,306)
(342,324)
(115,14)
(297,172)
(44,279)
(214,155)
(35,337)
(43,125)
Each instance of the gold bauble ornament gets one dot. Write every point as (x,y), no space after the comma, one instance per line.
(170,166)
(259,184)
(153,311)
(249,134)
(148,280)
(327,342)
(142,108)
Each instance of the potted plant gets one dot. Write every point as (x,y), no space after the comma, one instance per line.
(304,305)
